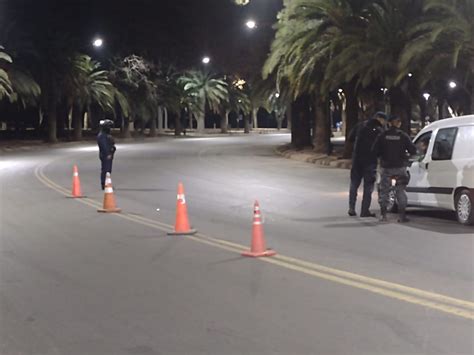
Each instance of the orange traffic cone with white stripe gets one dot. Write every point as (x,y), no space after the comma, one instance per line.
(109,198)
(76,184)
(181,226)
(258,247)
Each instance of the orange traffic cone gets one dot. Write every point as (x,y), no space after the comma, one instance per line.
(258,247)
(109,198)
(181,226)
(76,184)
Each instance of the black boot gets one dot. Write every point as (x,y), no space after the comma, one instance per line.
(383,214)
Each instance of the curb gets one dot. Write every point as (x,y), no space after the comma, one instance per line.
(309,156)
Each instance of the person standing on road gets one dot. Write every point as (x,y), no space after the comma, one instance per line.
(106,144)
(364,162)
(394,147)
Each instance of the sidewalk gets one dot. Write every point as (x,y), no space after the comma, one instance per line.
(309,156)
(14,145)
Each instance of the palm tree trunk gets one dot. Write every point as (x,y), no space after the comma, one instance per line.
(160,119)
(177,125)
(165,115)
(153,132)
(254,117)
(201,119)
(279,117)
(126,127)
(246,124)
(322,132)
(224,121)
(77,117)
(52,119)
(352,116)
(288,116)
(300,129)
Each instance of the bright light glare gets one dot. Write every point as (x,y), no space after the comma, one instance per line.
(98,42)
(277,95)
(410,75)
(452,84)
(340,91)
(206,60)
(426,96)
(251,24)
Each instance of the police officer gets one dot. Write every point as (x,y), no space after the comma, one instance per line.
(364,162)
(393,147)
(107,149)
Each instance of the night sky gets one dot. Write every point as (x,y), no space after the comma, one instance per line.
(173,31)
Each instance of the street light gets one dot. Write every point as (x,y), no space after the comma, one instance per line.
(452,84)
(277,95)
(410,75)
(206,60)
(98,42)
(426,96)
(251,24)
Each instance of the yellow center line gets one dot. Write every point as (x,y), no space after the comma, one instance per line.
(404,293)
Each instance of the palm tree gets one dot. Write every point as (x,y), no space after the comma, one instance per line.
(299,56)
(238,102)
(5,83)
(204,89)
(87,84)
(442,44)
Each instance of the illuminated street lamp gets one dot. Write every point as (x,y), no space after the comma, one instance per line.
(98,42)
(206,60)
(426,96)
(251,24)
(452,84)
(277,95)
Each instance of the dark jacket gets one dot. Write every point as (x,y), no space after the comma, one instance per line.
(363,135)
(106,144)
(393,147)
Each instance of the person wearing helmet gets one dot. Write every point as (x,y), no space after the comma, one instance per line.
(393,147)
(106,144)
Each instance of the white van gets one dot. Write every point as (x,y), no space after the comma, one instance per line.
(443,176)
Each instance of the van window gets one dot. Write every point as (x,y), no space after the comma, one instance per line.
(422,143)
(444,144)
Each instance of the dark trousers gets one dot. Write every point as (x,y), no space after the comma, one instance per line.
(358,172)
(106,167)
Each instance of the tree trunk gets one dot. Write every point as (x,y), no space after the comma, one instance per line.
(254,117)
(322,132)
(352,116)
(300,130)
(279,120)
(246,124)
(160,119)
(77,117)
(177,125)
(52,119)
(201,120)
(126,128)
(224,121)
(165,114)
(153,132)
(288,116)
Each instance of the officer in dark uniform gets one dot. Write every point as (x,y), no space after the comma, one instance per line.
(107,149)
(393,147)
(364,162)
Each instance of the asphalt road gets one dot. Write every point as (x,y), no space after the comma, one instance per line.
(74,281)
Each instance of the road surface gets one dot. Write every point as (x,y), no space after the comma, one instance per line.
(74,281)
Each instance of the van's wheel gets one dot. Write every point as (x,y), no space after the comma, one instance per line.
(463,203)
(392,206)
